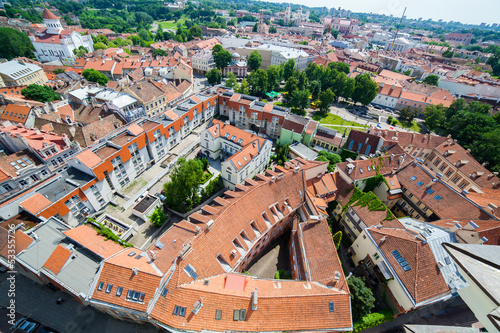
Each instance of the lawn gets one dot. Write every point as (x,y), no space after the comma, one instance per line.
(331,119)
(414,126)
(166,25)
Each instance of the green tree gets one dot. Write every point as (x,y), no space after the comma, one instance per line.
(159,52)
(340,67)
(255,27)
(95,76)
(58,71)
(258,82)
(291,86)
(435,117)
(214,76)
(407,72)
(362,300)
(158,217)
(274,77)
(326,98)
(407,114)
(231,80)
(337,238)
(288,69)
(222,59)
(15,44)
(243,87)
(254,60)
(40,93)
(273,30)
(365,89)
(196,31)
(80,51)
(432,79)
(181,191)
(331,158)
(300,99)
(335,33)
(448,53)
(100,46)
(493,61)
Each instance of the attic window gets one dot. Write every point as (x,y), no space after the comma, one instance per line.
(240,141)
(233,138)
(108,288)
(361,170)
(164,292)
(244,157)
(119,291)
(430,191)
(101,285)
(420,183)
(239,163)
(368,168)
(191,271)
(226,135)
(331,307)
(438,197)
(413,178)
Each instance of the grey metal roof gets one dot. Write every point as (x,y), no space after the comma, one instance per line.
(65,183)
(16,70)
(78,272)
(480,262)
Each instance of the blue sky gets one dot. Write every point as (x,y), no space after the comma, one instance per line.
(465,11)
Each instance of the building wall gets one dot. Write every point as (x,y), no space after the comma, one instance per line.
(477,301)
(289,137)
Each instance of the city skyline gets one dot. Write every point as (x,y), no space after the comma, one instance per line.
(417,9)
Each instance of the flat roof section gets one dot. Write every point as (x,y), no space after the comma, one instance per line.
(145,203)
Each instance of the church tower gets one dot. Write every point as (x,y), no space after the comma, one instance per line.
(52,22)
(288,13)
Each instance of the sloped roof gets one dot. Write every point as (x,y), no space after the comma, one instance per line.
(48,15)
(424,280)
(57,259)
(87,237)
(35,204)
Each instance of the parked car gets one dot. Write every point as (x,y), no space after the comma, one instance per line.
(25,325)
(161,196)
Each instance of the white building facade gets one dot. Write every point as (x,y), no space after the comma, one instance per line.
(55,43)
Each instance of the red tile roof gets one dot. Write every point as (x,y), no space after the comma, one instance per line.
(424,280)
(16,113)
(87,237)
(57,259)
(35,204)
(88,158)
(22,242)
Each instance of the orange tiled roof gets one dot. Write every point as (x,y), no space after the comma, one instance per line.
(22,242)
(88,237)
(16,113)
(57,259)
(423,281)
(35,204)
(88,158)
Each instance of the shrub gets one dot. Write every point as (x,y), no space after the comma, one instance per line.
(283,274)
(372,320)
(337,238)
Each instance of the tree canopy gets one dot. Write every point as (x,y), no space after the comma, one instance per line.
(40,93)
(158,217)
(95,76)
(15,44)
(231,80)
(431,79)
(222,58)
(181,191)
(407,114)
(471,125)
(214,76)
(331,158)
(326,98)
(365,89)
(362,300)
(254,60)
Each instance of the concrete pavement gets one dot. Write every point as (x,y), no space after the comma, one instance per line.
(39,303)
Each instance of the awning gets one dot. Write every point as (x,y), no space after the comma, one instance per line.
(384,270)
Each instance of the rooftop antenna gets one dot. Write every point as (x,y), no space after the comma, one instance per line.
(397,31)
